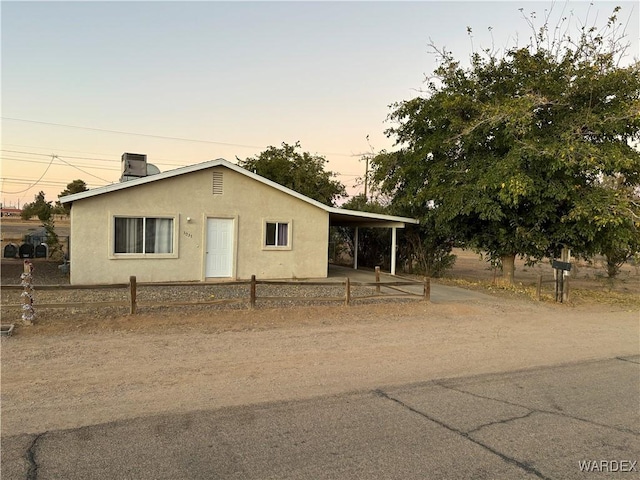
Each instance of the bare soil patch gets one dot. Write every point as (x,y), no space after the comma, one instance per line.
(587,279)
(584,274)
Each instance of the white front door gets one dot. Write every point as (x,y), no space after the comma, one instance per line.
(219,253)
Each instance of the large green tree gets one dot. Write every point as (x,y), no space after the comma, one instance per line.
(512,151)
(299,171)
(75,186)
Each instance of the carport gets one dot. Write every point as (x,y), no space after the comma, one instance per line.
(357,219)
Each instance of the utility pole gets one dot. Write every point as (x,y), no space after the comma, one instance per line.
(366,157)
(366,176)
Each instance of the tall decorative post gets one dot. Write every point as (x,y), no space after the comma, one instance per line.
(28,313)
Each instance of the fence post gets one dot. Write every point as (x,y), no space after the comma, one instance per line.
(539,288)
(347,292)
(133,292)
(28,313)
(252,299)
(378,279)
(427,289)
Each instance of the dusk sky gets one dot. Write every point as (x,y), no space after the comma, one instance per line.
(187,82)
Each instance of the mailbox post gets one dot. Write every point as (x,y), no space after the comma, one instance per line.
(562,285)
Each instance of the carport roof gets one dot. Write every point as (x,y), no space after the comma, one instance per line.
(340,217)
(337,216)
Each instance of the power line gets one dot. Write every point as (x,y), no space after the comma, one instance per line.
(53,156)
(28,160)
(107,160)
(130,133)
(82,158)
(66,156)
(83,171)
(47,169)
(36,182)
(25,181)
(155,159)
(163,137)
(54,148)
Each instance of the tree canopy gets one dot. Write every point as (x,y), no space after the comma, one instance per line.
(516,152)
(299,171)
(75,186)
(40,208)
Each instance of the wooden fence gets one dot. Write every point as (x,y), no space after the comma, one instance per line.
(133,285)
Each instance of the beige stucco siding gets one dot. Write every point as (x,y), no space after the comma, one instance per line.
(249,203)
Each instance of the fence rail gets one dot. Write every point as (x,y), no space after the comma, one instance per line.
(133,303)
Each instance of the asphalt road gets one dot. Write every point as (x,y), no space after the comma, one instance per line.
(563,422)
(14,228)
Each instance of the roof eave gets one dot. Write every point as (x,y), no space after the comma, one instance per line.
(69,199)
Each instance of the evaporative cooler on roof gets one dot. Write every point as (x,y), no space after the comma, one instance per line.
(134,165)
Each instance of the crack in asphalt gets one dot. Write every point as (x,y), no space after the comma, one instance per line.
(498,422)
(623,359)
(32,472)
(539,410)
(510,460)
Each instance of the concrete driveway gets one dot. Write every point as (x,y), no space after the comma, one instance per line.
(439,293)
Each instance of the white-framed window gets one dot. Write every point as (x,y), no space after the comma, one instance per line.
(143,235)
(277,234)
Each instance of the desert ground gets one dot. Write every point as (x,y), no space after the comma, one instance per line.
(78,368)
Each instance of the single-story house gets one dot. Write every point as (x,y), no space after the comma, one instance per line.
(213,220)
(10,212)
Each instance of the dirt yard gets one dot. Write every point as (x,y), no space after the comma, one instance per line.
(83,369)
(584,275)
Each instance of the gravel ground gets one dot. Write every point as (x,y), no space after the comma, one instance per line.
(47,273)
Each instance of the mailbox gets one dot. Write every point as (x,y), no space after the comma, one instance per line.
(558,265)
(42,250)
(11,251)
(26,250)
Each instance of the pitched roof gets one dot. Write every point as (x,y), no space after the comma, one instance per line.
(337,215)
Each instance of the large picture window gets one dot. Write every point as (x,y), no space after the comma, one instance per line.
(143,235)
(277,234)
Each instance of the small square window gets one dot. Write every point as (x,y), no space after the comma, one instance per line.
(277,234)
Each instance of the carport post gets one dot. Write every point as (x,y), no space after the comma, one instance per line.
(355,250)
(393,250)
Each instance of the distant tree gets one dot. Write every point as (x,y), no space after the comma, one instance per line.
(302,172)
(76,186)
(511,152)
(40,208)
(43,209)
